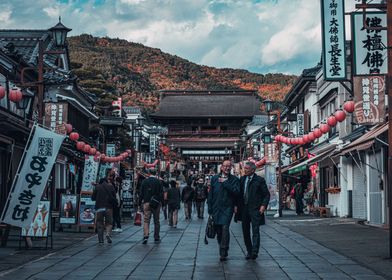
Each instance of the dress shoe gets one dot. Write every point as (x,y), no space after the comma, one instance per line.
(222,259)
(145,240)
(108,239)
(248,257)
(254,256)
(157,240)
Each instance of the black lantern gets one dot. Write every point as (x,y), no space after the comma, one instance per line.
(59,33)
(268,105)
(244,136)
(140,121)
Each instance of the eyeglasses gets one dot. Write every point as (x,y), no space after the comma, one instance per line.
(226,165)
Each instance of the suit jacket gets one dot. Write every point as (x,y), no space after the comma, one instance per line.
(258,195)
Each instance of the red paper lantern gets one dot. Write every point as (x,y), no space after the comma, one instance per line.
(93,151)
(324,128)
(340,115)
(306,138)
(103,156)
(98,153)
(68,128)
(96,158)
(317,133)
(15,95)
(349,106)
(312,136)
(301,141)
(80,145)
(86,148)
(2,92)
(277,137)
(331,121)
(74,136)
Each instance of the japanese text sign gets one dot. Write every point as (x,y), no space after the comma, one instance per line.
(89,174)
(370,46)
(369,98)
(334,51)
(32,175)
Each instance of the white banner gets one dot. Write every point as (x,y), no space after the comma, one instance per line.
(270,179)
(334,51)
(33,173)
(89,174)
(370,46)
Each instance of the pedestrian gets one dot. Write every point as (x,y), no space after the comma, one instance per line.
(117,206)
(104,195)
(151,196)
(187,198)
(223,191)
(201,193)
(299,195)
(251,207)
(173,201)
(166,187)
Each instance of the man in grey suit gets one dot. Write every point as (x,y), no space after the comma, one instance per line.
(251,207)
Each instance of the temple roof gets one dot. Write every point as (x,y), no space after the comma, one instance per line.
(208,104)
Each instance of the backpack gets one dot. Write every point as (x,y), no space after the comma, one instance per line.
(200,193)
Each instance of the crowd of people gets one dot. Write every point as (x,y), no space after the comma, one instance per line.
(246,198)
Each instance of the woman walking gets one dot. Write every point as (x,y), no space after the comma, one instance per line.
(173,200)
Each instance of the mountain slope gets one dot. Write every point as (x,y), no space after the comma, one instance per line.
(114,67)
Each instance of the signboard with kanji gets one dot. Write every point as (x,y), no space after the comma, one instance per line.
(370,46)
(56,116)
(369,98)
(334,51)
(89,174)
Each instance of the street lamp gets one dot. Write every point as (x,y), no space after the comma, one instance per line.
(269,107)
(59,34)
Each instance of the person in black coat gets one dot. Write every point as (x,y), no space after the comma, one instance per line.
(151,189)
(251,207)
(221,200)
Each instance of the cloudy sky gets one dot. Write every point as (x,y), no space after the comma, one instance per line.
(264,36)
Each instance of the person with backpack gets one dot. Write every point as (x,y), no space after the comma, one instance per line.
(151,195)
(187,198)
(200,197)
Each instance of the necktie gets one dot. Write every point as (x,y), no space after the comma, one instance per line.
(246,195)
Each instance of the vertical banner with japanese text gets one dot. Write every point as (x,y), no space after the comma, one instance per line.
(270,179)
(89,174)
(31,177)
(370,46)
(369,98)
(300,124)
(334,51)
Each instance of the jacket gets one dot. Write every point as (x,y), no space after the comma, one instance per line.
(151,187)
(221,198)
(187,194)
(173,198)
(258,195)
(104,195)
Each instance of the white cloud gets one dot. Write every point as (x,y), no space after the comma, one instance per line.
(268,35)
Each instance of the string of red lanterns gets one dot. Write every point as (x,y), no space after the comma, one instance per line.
(15,94)
(338,116)
(87,149)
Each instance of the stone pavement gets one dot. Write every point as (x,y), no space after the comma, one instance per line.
(182,254)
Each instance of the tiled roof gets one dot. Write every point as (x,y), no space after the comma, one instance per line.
(208,104)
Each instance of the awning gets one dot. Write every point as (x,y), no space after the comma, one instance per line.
(303,165)
(365,141)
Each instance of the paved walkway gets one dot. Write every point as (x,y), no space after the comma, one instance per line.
(182,254)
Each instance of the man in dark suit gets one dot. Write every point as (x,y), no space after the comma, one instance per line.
(251,207)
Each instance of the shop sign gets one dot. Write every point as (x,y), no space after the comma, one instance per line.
(32,175)
(56,116)
(68,209)
(369,98)
(333,32)
(89,174)
(370,46)
(86,210)
(40,224)
(270,179)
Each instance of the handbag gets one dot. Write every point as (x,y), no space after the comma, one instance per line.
(138,219)
(210,230)
(154,202)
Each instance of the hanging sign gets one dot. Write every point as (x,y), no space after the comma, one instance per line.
(68,209)
(270,179)
(56,116)
(300,125)
(89,174)
(33,173)
(369,98)
(270,153)
(334,51)
(370,46)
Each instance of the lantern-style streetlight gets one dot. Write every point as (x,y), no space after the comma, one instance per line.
(59,34)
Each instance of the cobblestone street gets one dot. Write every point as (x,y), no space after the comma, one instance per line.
(182,254)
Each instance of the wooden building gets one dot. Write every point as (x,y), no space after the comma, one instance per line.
(205,126)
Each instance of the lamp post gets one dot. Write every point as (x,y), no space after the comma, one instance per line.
(268,107)
(59,34)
